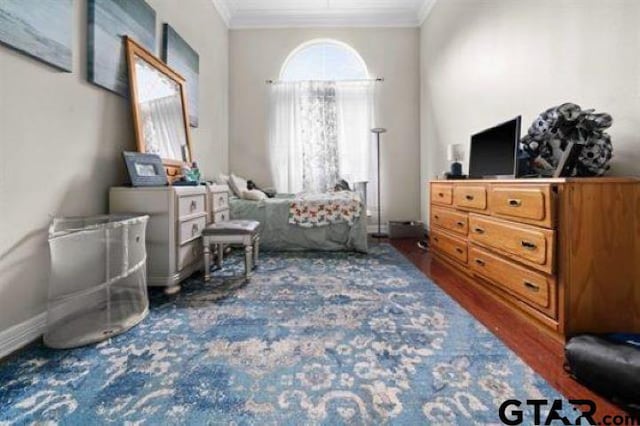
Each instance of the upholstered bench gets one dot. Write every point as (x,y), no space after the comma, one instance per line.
(244,232)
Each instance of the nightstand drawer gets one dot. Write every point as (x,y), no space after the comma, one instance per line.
(531,287)
(189,253)
(191,229)
(442,194)
(191,205)
(450,219)
(221,216)
(528,244)
(470,197)
(531,204)
(219,201)
(448,244)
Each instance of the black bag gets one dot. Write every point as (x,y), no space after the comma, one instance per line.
(611,369)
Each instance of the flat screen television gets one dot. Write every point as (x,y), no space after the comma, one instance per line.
(494,151)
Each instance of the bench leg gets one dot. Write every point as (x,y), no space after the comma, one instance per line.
(248,251)
(220,249)
(207,260)
(256,251)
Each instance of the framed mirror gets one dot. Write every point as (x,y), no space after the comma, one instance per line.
(159,105)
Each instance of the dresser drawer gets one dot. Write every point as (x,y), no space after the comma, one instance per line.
(533,288)
(451,220)
(191,229)
(470,197)
(221,216)
(442,194)
(189,253)
(528,244)
(448,244)
(530,204)
(191,205)
(219,201)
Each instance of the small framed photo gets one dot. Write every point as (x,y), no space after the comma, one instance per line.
(145,169)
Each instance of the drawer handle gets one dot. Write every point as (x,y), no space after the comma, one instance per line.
(436,217)
(469,197)
(460,224)
(436,239)
(514,202)
(480,262)
(440,194)
(529,246)
(459,250)
(532,287)
(194,229)
(221,200)
(222,217)
(193,205)
(479,230)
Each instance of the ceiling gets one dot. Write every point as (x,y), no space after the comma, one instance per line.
(323,13)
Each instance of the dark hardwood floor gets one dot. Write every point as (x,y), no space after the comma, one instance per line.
(540,351)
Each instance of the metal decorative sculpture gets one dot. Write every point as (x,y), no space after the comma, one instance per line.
(550,133)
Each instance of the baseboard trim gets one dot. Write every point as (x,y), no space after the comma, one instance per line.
(22,334)
(371,229)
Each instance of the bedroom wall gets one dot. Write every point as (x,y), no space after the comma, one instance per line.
(61,141)
(392,53)
(486,61)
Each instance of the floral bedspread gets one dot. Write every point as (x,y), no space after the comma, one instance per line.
(315,210)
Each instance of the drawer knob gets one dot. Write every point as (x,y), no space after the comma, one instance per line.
(532,287)
(436,217)
(479,230)
(193,205)
(460,224)
(440,194)
(480,262)
(436,239)
(194,229)
(222,217)
(459,250)
(528,245)
(514,202)
(469,197)
(221,200)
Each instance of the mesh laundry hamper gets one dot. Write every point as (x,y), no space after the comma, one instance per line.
(98,284)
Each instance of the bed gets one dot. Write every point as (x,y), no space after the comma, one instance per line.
(278,233)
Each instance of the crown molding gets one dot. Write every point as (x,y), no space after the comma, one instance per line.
(223,11)
(334,19)
(425,10)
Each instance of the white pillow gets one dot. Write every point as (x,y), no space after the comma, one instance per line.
(223,179)
(237,185)
(253,195)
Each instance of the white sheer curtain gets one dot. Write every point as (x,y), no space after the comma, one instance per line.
(308,122)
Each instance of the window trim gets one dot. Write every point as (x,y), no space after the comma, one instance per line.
(308,43)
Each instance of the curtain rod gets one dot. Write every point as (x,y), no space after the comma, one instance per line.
(379,80)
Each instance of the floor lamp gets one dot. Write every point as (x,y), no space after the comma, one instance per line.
(378,131)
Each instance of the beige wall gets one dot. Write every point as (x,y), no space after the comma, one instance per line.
(61,140)
(258,55)
(485,61)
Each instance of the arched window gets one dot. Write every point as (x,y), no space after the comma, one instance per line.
(324,60)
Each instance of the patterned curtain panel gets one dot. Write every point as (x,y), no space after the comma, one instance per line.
(319,137)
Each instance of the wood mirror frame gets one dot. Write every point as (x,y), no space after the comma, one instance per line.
(133,49)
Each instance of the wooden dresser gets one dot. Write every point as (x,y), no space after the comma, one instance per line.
(563,252)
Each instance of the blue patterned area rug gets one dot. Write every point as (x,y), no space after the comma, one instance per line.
(314,338)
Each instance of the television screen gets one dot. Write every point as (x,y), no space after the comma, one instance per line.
(493,152)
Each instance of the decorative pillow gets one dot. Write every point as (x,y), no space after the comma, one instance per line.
(222,179)
(253,195)
(237,185)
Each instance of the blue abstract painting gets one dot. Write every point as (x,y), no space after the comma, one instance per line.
(41,29)
(109,21)
(182,58)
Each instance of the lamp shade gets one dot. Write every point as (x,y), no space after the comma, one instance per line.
(455,152)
